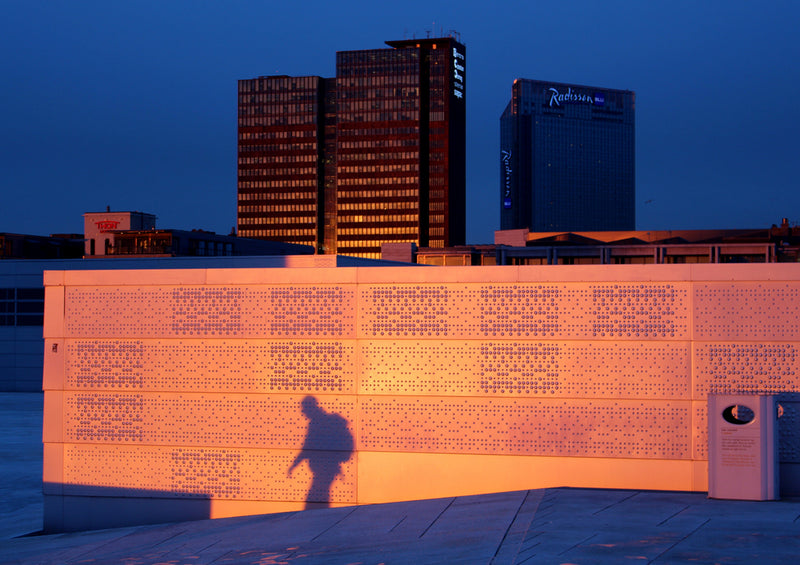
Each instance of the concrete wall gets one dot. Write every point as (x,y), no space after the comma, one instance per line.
(217,392)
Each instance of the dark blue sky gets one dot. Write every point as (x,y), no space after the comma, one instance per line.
(133,104)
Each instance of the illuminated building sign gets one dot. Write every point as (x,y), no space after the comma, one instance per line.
(106,225)
(573,97)
(505,156)
(459,68)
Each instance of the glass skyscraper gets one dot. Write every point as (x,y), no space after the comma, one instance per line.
(567,158)
(375,155)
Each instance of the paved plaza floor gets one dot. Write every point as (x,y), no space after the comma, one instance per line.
(559,525)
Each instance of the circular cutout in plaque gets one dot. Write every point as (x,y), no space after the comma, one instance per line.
(738,414)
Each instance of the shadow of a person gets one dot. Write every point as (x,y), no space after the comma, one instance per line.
(328,444)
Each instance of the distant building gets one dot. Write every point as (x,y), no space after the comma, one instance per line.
(375,155)
(23,246)
(100,228)
(197,243)
(115,234)
(567,159)
(778,244)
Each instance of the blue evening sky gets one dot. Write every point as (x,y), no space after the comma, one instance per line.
(132,104)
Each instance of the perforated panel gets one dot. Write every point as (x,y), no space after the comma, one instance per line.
(212,365)
(726,368)
(746,311)
(566,311)
(192,419)
(526,368)
(599,428)
(254,311)
(700,430)
(184,472)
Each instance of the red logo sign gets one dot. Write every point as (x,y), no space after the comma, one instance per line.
(106,225)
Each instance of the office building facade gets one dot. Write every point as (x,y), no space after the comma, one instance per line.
(372,156)
(567,158)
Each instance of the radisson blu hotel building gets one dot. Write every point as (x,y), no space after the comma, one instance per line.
(567,158)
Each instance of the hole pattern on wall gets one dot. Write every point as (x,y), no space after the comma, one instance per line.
(746,311)
(109,418)
(638,310)
(106,364)
(571,428)
(150,312)
(212,365)
(700,430)
(565,310)
(413,311)
(518,368)
(195,419)
(517,311)
(180,472)
(309,311)
(725,368)
(206,311)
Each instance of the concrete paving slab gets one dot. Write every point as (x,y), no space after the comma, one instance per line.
(21,501)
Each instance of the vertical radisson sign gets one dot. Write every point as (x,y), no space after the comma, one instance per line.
(459,73)
(505,157)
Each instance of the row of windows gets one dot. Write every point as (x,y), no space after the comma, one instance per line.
(379,143)
(277,108)
(245,159)
(266,121)
(275,183)
(393,168)
(380,194)
(356,116)
(383,205)
(257,119)
(368,245)
(377,104)
(279,85)
(256,170)
(346,157)
(409,182)
(21,306)
(382,94)
(275,208)
(373,81)
(376,217)
(298,98)
(388,230)
(292,196)
(246,135)
(268,230)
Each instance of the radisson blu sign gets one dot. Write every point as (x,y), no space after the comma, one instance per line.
(557,98)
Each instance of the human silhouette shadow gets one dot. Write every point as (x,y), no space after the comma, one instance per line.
(328,444)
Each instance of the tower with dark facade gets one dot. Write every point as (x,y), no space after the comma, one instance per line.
(567,158)
(376,155)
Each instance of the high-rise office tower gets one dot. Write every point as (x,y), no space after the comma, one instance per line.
(567,158)
(375,155)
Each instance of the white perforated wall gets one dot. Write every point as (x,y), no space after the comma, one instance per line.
(445,380)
